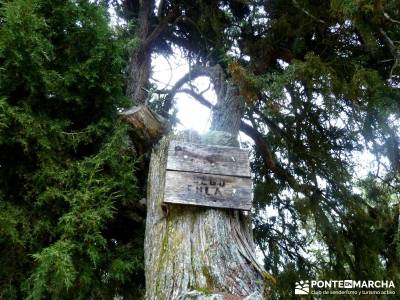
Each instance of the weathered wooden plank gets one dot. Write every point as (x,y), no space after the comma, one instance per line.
(208,190)
(147,125)
(208,159)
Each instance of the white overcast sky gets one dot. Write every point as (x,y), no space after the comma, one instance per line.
(191,114)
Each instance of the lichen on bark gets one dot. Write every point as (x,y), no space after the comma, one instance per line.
(196,252)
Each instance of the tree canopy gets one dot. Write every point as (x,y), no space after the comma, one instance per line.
(321,86)
(68,191)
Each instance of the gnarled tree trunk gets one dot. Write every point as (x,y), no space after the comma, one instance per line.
(196,252)
(140,62)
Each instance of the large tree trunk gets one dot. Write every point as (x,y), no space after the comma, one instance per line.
(139,73)
(140,62)
(195,252)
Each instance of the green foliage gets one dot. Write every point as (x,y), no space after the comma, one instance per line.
(68,191)
(321,80)
(329,104)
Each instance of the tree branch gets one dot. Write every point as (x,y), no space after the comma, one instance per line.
(387,17)
(200,98)
(263,147)
(161,27)
(307,13)
(393,49)
(194,73)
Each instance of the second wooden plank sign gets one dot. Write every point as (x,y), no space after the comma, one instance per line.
(214,176)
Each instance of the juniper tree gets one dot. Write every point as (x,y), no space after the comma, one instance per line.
(70,220)
(320,83)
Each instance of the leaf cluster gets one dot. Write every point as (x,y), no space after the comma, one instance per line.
(70,218)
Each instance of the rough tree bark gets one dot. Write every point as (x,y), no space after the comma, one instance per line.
(148,31)
(147,125)
(140,62)
(190,252)
(195,252)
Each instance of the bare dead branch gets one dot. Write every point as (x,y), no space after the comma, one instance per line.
(387,17)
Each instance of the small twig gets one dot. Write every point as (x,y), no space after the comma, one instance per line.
(395,65)
(207,89)
(74,133)
(197,97)
(164,83)
(146,90)
(146,101)
(194,72)
(170,70)
(390,43)
(385,61)
(306,12)
(387,17)
(393,49)
(161,27)
(200,98)
(161,92)
(377,168)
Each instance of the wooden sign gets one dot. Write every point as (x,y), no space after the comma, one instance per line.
(214,176)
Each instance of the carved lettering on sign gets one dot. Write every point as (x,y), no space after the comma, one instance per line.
(208,176)
(207,190)
(207,159)
(209,186)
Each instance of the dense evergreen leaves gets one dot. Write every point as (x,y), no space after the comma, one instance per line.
(69,217)
(321,83)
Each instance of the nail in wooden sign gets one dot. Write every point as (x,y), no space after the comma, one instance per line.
(204,175)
